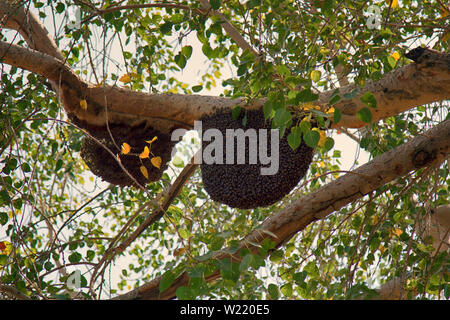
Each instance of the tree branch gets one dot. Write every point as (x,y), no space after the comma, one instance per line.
(428,149)
(29,27)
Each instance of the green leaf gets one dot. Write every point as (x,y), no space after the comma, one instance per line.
(286,289)
(3,218)
(216,243)
(351,95)
(329,144)
(90,254)
(306,96)
(59,164)
(75,257)
(315,75)
(364,115)
(274,293)
(197,88)
(26,167)
(166,27)
(18,204)
(267,109)
(369,100)
(245,262)
(166,281)
(282,118)
(305,126)
(236,112)
(244,120)
(184,233)
(180,60)
(184,293)
(283,70)
(215,4)
(311,269)
(277,256)
(337,115)
(311,138)
(187,51)
(5,199)
(295,137)
(60,7)
(3,259)
(178,162)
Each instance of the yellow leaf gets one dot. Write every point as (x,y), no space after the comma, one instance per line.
(323,136)
(444,13)
(156,161)
(125,78)
(184,85)
(151,141)
(396,56)
(125,148)
(144,171)
(330,111)
(83,104)
(393,3)
(145,153)
(134,75)
(398,232)
(217,74)
(178,252)
(5,247)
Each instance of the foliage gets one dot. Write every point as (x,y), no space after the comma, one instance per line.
(56,218)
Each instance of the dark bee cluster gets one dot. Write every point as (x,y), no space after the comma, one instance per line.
(105,165)
(242,185)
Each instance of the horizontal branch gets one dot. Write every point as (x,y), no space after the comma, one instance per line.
(399,90)
(19,18)
(430,148)
(425,81)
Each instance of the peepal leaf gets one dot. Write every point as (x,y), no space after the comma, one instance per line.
(145,153)
(125,78)
(156,161)
(144,171)
(151,141)
(125,148)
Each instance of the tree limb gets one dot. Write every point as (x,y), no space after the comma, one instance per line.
(425,150)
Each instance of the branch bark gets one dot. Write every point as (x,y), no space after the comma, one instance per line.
(425,150)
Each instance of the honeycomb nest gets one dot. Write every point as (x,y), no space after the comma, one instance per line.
(242,185)
(105,166)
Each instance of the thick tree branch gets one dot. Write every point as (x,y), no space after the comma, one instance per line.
(425,81)
(30,28)
(425,150)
